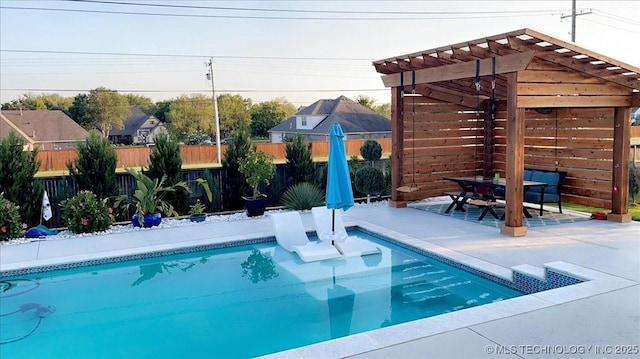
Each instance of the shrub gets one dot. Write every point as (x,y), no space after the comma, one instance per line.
(86,213)
(387,178)
(369,180)
(303,195)
(62,190)
(95,168)
(354,166)
(10,226)
(17,177)
(165,160)
(214,186)
(274,190)
(300,166)
(634,182)
(371,151)
(234,182)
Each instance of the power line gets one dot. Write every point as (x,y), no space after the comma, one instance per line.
(616,17)
(173,6)
(401,18)
(189,56)
(612,26)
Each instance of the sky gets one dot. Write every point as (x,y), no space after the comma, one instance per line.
(299,50)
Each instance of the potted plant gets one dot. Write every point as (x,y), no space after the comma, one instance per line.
(147,200)
(196,211)
(257,168)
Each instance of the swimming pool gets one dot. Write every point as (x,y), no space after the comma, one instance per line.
(232,302)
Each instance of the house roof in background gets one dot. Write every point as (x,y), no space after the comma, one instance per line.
(134,122)
(42,126)
(352,117)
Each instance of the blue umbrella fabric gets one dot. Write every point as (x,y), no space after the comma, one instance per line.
(339,191)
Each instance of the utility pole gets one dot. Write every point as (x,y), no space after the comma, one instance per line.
(573,19)
(215,109)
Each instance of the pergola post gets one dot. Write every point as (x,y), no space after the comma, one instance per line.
(515,161)
(620,170)
(397,143)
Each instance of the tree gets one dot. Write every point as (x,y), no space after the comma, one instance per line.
(366,101)
(39,102)
(265,115)
(289,108)
(95,167)
(108,109)
(371,151)
(369,180)
(370,103)
(190,114)
(24,102)
(79,111)
(17,177)
(299,165)
(142,102)
(165,160)
(383,110)
(162,108)
(233,112)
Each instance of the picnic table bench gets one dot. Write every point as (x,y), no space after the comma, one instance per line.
(479,192)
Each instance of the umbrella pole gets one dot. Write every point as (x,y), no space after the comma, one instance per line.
(333,225)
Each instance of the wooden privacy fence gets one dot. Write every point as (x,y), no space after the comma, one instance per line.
(206,155)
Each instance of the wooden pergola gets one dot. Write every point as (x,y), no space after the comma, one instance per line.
(542,103)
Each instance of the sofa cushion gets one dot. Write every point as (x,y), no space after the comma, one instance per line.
(551,178)
(527,175)
(535,197)
(498,192)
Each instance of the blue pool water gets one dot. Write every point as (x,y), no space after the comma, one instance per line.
(226,303)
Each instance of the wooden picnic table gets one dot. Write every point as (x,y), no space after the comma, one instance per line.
(478,191)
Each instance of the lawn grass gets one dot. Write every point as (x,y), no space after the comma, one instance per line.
(634,209)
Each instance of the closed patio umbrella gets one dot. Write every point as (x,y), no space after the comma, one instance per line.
(339,191)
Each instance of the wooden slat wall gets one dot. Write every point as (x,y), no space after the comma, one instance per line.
(577,141)
(577,136)
(544,84)
(440,140)
(55,160)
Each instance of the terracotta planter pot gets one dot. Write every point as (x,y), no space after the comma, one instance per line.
(148,220)
(255,206)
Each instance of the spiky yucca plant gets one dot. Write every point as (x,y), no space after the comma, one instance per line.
(303,195)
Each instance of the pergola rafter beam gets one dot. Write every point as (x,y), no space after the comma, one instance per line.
(504,64)
(575,63)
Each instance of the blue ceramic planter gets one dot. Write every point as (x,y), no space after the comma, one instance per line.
(148,220)
(255,206)
(198,218)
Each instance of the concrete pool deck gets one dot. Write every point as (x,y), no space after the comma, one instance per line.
(591,319)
